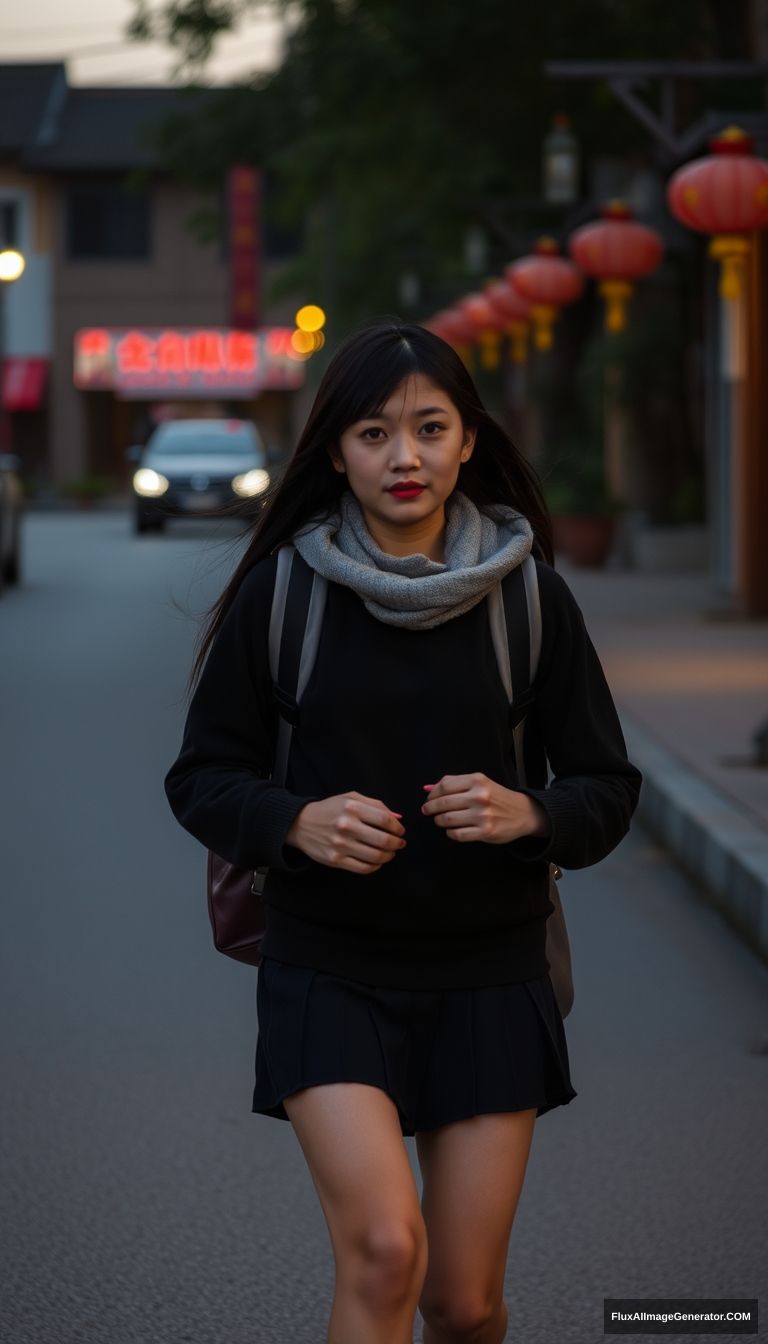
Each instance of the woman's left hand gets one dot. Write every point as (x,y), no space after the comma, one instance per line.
(474,807)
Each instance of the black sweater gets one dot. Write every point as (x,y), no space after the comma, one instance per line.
(386,711)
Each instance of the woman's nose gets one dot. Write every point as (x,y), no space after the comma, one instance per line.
(405,450)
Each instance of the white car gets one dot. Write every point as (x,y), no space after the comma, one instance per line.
(11,506)
(197,468)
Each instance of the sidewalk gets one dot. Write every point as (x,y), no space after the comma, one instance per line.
(691,689)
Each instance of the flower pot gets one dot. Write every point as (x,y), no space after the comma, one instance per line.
(587,540)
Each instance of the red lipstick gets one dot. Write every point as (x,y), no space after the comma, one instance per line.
(406,489)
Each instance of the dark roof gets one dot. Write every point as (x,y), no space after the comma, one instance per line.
(103,128)
(26,93)
(48,124)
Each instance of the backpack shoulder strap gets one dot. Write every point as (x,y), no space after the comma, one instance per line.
(533,599)
(296,619)
(514,609)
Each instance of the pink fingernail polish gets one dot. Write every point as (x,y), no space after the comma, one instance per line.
(427,786)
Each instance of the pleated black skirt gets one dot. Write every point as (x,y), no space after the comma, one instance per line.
(441,1055)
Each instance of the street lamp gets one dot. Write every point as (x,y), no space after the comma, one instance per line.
(409,289)
(561,163)
(12,265)
(475,250)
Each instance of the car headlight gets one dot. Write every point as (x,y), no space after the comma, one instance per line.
(251,482)
(150,483)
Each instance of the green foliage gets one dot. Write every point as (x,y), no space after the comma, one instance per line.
(390,126)
(192,27)
(575,481)
(645,356)
(687,502)
(645,370)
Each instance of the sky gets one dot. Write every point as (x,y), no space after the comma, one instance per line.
(88,34)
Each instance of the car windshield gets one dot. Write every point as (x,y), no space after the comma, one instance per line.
(204,436)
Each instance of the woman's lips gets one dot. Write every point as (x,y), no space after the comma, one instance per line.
(407,491)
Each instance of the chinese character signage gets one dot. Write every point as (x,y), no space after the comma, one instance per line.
(186,361)
(244,211)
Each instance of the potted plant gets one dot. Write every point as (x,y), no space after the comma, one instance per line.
(584,513)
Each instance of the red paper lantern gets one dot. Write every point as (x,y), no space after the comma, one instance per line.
(515,311)
(437,324)
(488,325)
(725,193)
(459,331)
(548,281)
(616,250)
(452,326)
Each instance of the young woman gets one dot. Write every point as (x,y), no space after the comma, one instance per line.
(404,988)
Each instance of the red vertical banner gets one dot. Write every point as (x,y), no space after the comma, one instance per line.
(244,201)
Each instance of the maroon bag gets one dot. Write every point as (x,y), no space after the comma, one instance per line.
(236,909)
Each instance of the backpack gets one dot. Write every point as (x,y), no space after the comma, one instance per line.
(235,903)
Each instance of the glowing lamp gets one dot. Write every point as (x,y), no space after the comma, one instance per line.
(310,318)
(12,264)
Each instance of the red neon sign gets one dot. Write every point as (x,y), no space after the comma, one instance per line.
(242,352)
(170,353)
(186,360)
(134,353)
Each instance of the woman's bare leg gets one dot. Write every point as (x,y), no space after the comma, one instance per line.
(473,1174)
(351,1138)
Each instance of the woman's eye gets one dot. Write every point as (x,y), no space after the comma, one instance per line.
(374,430)
(432,424)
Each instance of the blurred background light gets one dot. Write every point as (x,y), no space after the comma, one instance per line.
(310,318)
(11,264)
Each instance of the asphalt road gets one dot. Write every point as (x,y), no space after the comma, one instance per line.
(140,1200)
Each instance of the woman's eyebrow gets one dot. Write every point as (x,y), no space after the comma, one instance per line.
(425,410)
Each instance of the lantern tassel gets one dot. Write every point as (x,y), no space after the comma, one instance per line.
(616,294)
(731,250)
(489,349)
(518,342)
(543,315)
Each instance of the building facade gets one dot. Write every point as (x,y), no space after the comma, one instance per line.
(110,255)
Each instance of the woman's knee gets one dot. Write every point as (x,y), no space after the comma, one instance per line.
(387,1259)
(462,1316)
(350,1134)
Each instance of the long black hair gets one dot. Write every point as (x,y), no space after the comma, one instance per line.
(359,380)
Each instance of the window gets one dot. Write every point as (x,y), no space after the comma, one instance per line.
(9,223)
(107,222)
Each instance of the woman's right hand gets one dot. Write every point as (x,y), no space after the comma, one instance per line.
(347,831)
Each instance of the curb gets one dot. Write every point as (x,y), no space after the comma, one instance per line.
(715,842)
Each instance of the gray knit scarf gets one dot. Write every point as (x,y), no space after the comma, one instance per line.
(412,590)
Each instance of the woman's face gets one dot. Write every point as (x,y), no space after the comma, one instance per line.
(419,438)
